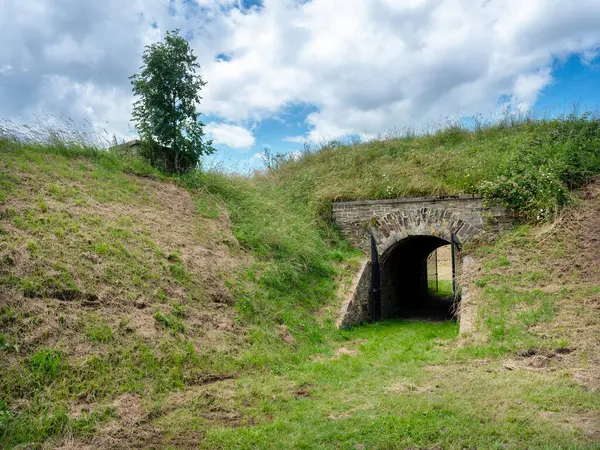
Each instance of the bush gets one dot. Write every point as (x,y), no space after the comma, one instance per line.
(556,156)
(535,192)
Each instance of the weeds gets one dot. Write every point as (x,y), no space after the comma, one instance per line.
(528,165)
(99,332)
(423,389)
(45,365)
(170,321)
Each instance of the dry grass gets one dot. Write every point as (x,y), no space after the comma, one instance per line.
(540,288)
(90,259)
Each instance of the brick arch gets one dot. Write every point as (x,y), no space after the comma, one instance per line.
(396,226)
(407,228)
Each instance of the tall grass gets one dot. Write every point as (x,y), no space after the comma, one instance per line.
(61,136)
(528,164)
(295,255)
(295,260)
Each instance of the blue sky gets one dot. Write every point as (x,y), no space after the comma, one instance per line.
(272,133)
(284,72)
(575,85)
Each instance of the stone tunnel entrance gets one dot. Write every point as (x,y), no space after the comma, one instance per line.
(407,286)
(405,231)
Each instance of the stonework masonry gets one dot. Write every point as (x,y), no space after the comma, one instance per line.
(391,222)
(466,215)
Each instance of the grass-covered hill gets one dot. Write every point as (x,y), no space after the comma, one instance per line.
(117,281)
(139,310)
(529,164)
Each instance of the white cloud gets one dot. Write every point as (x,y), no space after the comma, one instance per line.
(67,50)
(232,136)
(105,108)
(295,139)
(370,66)
(367,65)
(528,86)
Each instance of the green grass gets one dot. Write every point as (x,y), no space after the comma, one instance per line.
(169,321)
(386,385)
(296,261)
(443,288)
(528,164)
(407,386)
(54,253)
(92,257)
(99,331)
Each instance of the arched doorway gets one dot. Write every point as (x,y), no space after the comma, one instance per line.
(406,290)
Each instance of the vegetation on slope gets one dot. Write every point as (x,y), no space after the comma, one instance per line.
(136,312)
(531,165)
(539,287)
(114,283)
(97,294)
(526,378)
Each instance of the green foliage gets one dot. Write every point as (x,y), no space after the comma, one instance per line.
(528,165)
(42,204)
(170,321)
(179,273)
(295,254)
(49,383)
(535,191)
(165,113)
(45,365)
(556,156)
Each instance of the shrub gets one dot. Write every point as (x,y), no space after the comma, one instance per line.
(556,156)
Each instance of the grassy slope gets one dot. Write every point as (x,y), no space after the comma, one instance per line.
(529,164)
(109,284)
(116,288)
(296,381)
(526,379)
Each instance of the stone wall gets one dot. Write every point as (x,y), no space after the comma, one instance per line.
(356,307)
(355,218)
(429,222)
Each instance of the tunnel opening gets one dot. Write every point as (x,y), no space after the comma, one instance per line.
(408,279)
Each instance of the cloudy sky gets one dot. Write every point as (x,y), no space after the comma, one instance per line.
(281,72)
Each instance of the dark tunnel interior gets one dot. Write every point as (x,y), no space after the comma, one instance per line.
(404,288)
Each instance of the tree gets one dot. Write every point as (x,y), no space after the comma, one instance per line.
(165,112)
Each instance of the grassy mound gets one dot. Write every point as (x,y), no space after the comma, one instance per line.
(137,310)
(117,282)
(531,165)
(99,293)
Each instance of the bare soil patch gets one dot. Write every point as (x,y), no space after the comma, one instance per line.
(205,247)
(565,258)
